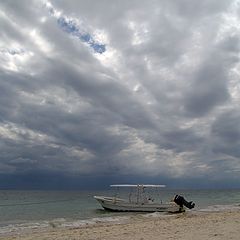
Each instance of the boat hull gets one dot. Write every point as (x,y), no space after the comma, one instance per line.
(116,204)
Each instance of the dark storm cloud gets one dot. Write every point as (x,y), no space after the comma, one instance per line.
(226,134)
(182,140)
(208,90)
(209,87)
(108,90)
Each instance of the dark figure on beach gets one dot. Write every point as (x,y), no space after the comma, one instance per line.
(182,202)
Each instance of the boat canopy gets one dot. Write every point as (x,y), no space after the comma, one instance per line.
(138,185)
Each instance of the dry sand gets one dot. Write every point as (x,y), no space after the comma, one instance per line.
(187,226)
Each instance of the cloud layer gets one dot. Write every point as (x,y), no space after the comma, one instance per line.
(116,88)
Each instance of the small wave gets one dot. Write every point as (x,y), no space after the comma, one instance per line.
(220,208)
(59,222)
(81,223)
(21,227)
(154,214)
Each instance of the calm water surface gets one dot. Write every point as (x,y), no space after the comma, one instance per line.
(18,207)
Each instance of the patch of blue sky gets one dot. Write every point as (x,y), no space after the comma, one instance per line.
(72,28)
(100,48)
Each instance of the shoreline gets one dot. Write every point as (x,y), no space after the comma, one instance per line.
(188,225)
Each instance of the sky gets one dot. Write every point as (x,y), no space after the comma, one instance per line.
(94,93)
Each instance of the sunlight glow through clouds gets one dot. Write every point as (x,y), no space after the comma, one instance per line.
(140,32)
(15,58)
(57,97)
(42,44)
(18,133)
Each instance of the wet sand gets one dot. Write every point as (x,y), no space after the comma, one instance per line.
(187,226)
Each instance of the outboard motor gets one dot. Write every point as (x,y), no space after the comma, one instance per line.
(179,200)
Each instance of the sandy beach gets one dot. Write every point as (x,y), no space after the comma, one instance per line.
(189,225)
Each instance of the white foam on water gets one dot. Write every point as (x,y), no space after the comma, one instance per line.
(92,221)
(58,223)
(21,227)
(154,214)
(220,208)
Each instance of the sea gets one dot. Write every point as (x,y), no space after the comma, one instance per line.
(28,210)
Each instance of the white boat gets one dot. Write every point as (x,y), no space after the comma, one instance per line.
(140,201)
